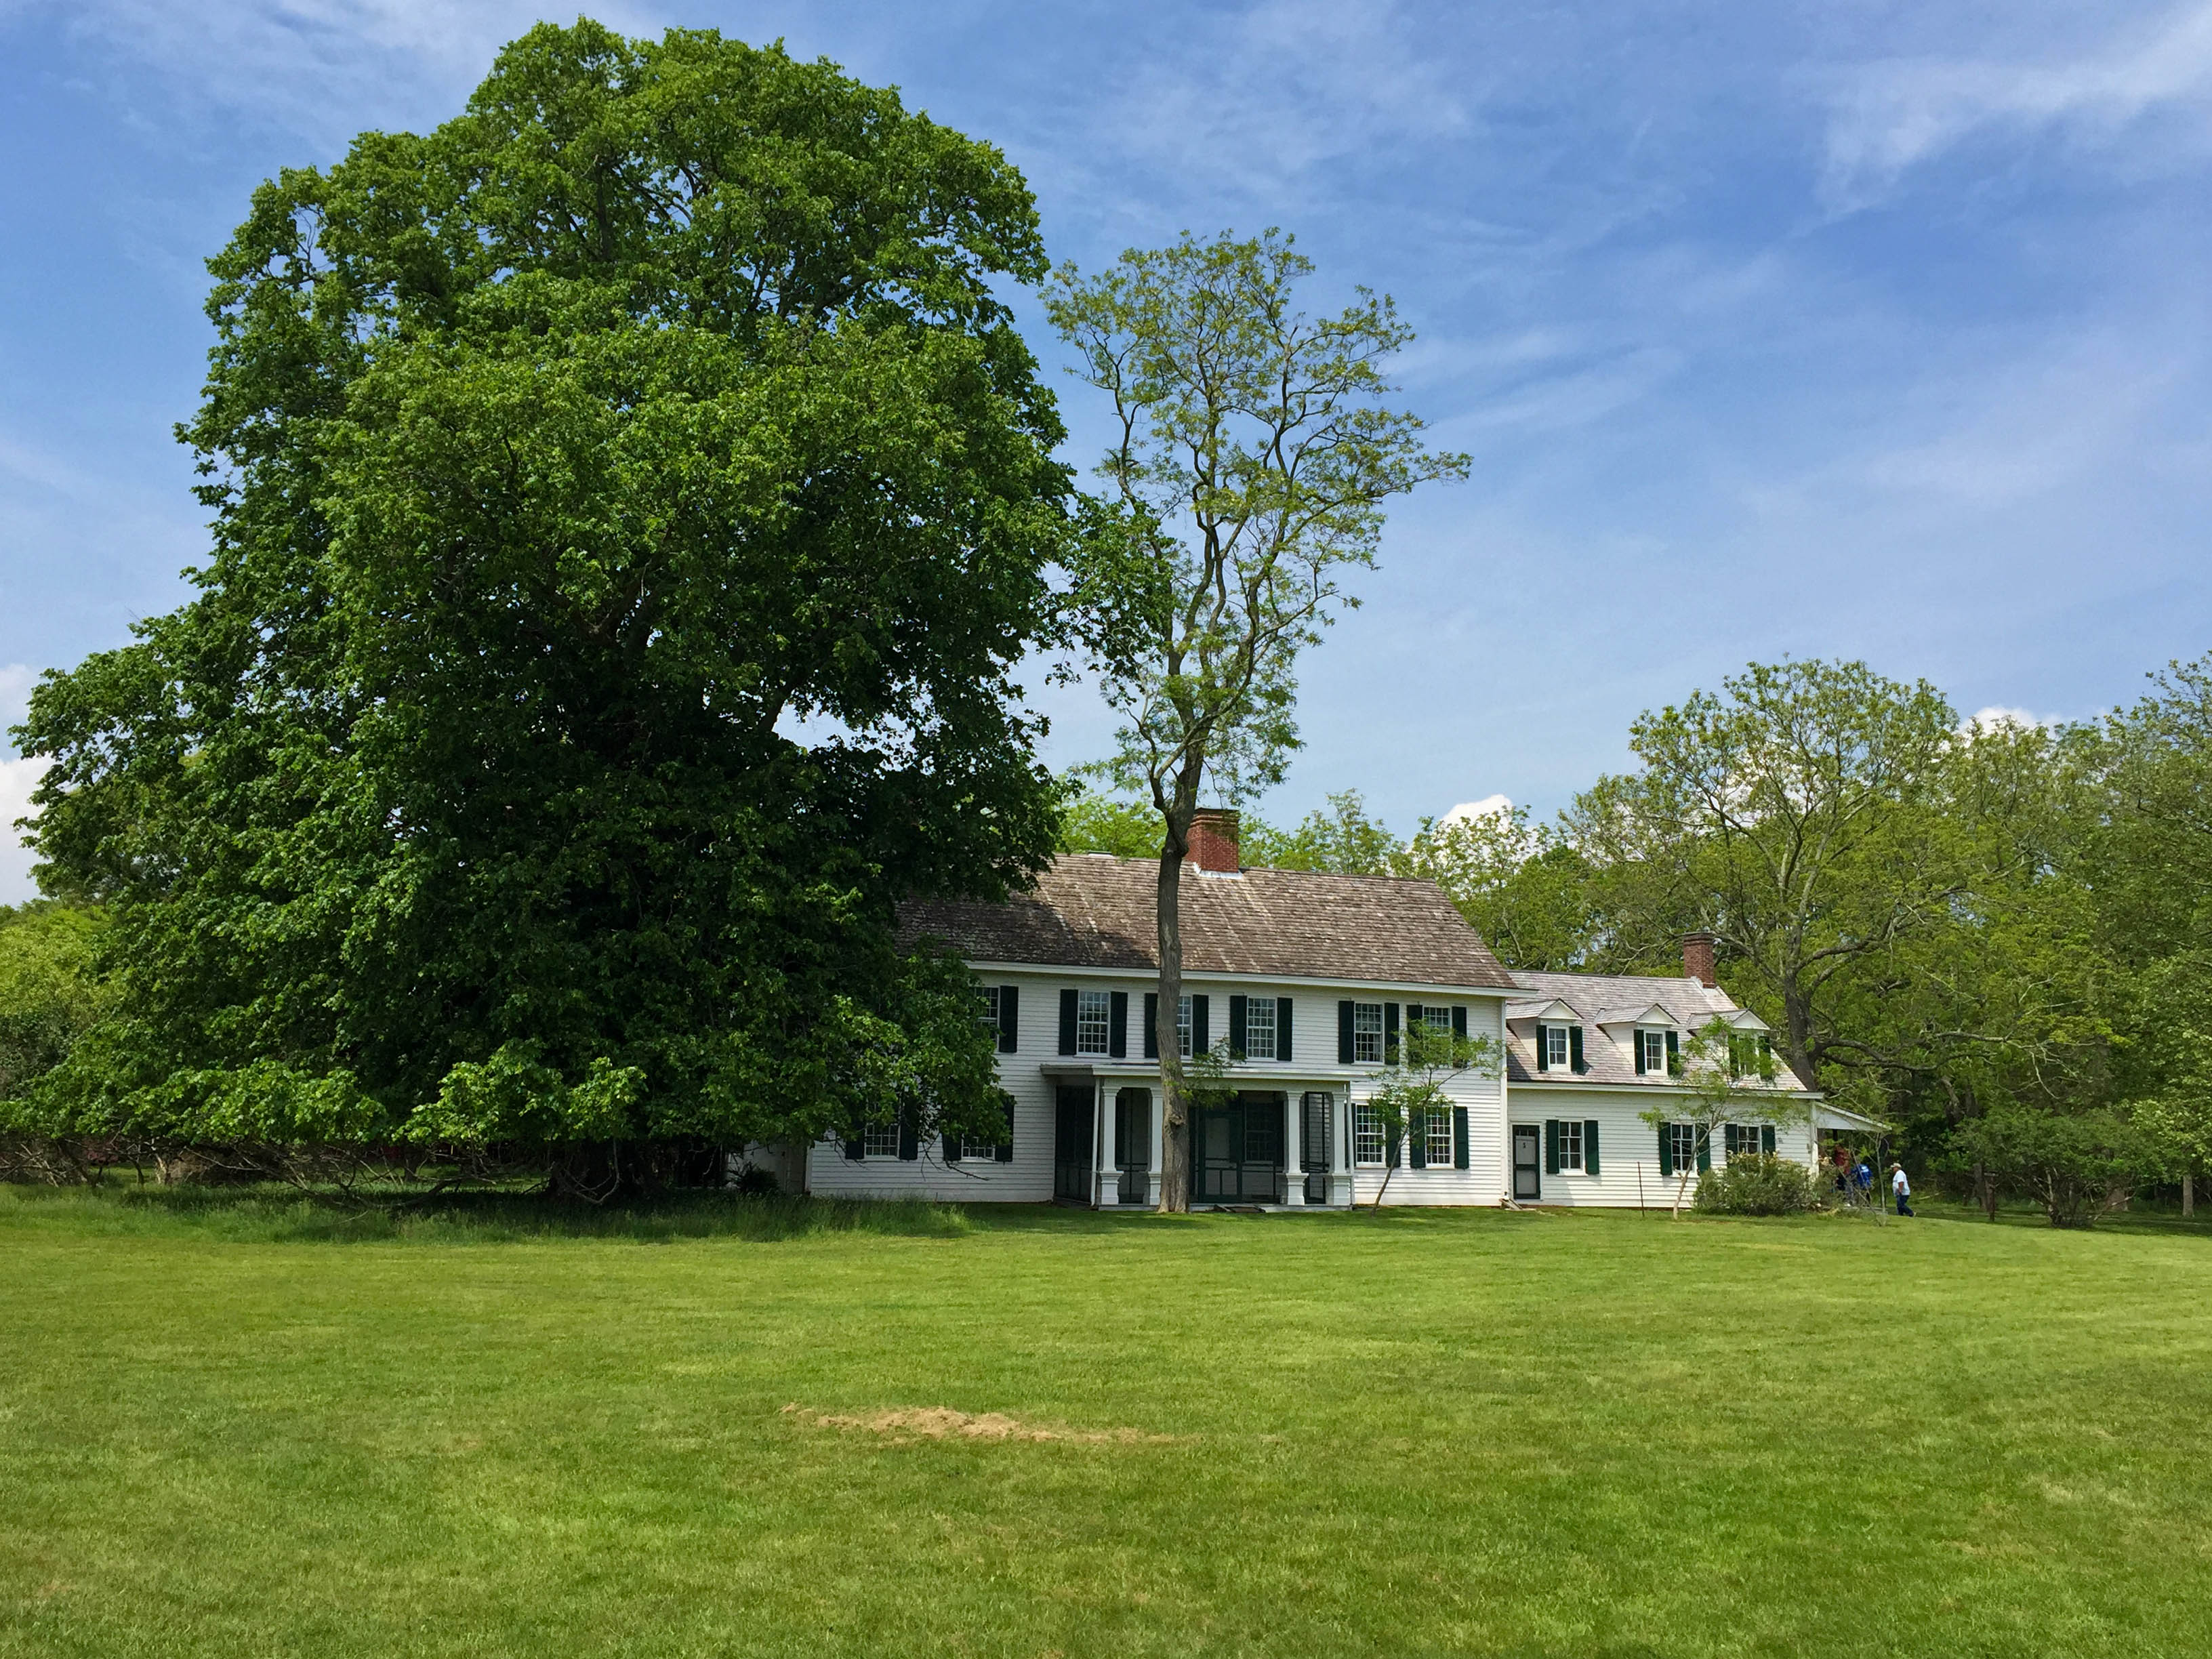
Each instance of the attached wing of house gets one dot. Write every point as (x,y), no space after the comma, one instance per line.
(1309,981)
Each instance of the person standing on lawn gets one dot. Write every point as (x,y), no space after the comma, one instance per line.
(1902,1188)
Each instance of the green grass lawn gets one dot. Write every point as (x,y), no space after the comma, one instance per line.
(235,1427)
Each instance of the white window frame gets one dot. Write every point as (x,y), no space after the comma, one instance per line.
(1571,1150)
(1681,1135)
(1370,1149)
(879,1140)
(1437,1127)
(1366,1039)
(1254,1007)
(1561,1059)
(977,1151)
(1651,1041)
(1182,1024)
(1094,1021)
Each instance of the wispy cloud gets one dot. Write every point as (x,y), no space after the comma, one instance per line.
(1893,115)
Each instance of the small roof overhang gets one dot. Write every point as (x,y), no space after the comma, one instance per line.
(1552,1009)
(1655,1013)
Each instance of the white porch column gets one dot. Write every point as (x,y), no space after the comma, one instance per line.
(1340,1131)
(1159,1127)
(1294,1175)
(1106,1172)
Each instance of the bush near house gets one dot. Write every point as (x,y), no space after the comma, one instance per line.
(1757,1186)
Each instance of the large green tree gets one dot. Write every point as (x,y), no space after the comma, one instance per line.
(1250,457)
(631,499)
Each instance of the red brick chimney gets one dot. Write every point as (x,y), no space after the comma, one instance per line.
(1213,840)
(1697,958)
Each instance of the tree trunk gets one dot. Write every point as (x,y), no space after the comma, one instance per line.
(1175,1100)
(2188,1194)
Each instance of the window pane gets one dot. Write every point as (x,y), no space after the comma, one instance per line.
(1367,1037)
(1439,1139)
(1259,1028)
(881,1140)
(1091,1013)
(1366,1135)
(1183,1025)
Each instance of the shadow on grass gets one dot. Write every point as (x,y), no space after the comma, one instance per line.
(286,1215)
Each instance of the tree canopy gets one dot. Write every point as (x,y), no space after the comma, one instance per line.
(631,500)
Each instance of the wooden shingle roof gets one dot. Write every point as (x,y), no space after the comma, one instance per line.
(1091,910)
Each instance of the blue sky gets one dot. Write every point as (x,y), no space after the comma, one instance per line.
(1838,329)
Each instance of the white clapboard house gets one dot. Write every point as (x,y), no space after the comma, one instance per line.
(1309,978)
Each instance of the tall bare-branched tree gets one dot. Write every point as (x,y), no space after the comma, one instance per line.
(1250,460)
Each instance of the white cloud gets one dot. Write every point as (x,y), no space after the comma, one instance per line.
(1998,717)
(17,779)
(1467,810)
(1893,115)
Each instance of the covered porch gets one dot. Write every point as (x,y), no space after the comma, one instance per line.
(1283,1142)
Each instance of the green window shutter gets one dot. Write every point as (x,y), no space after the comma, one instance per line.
(1636,1037)
(1551,1145)
(1417,1140)
(1543,1049)
(1766,1139)
(1589,1146)
(1067,1022)
(1201,1026)
(1459,1027)
(856,1144)
(1666,1149)
(1728,1139)
(1704,1149)
(1010,1027)
(1151,1025)
(909,1138)
(1674,1054)
(1389,1034)
(1117,1024)
(1006,1146)
(1574,1048)
(1413,1015)
(1237,1029)
(1459,1137)
(1344,1034)
(1282,1049)
(951,1149)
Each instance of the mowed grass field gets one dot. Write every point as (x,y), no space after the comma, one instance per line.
(238,1428)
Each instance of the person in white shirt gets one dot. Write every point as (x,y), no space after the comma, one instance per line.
(1902,1188)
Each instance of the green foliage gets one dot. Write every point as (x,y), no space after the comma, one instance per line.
(1103,823)
(1526,889)
(632,499)
(1757,1185)
(1340,838)
(2076,1166)
(50,992)
(1249,470)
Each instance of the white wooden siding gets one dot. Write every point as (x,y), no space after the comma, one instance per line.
(1625,1141)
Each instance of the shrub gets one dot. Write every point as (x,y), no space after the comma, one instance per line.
(1756,1186)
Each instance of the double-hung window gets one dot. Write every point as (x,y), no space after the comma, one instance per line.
(1260,1029)
(1367,1039)
(1093,1018)
(1182,1024)
(1682,1147)
(1437,1130)
(1558,1052)
(1367,1145)
(1653,1047)
(1571,1143)
(881,1140)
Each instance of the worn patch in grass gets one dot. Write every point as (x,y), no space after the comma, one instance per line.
(943,1423)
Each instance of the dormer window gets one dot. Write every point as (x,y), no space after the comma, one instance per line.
(1559,1047)
(1658,1053)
